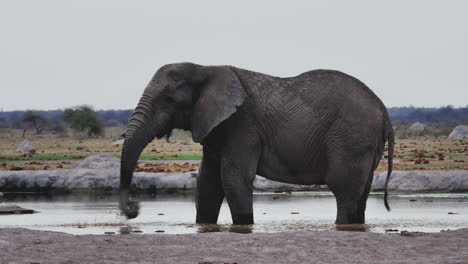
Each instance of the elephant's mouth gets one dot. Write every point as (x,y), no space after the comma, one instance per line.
(165,132)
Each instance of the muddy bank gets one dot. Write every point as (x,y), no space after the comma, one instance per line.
(108,180)
(80,180)
(423,181)
(26,246)
(101,173)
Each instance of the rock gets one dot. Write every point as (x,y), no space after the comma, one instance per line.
(101,172)
(118,142)
(419,181)
(417,127)
(14,209)
(25,146)
(459,132)
(98,162)
(261,183)
(91,179)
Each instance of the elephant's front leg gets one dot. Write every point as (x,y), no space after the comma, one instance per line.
(210,192)
(238,170)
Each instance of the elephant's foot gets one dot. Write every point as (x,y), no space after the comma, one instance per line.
(347,217)
(242,219)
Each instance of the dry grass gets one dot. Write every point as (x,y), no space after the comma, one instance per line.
(56,153)
(429,154)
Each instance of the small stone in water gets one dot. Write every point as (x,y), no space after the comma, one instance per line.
(109,233)
(160,214)
(406,233)
(412,200)
(159,231)
(452,213)
(294,212)
(136,231)
(275,198)
(391,230)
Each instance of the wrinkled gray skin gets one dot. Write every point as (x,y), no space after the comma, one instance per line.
(320,127)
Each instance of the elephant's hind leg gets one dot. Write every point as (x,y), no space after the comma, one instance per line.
(210,192)
(350,181)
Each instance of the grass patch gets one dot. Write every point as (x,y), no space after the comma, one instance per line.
(171,157)
(10,158)
(40,157)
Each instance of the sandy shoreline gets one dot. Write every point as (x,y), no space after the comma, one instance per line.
(27,246)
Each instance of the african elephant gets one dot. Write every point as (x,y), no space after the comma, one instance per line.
(320,127)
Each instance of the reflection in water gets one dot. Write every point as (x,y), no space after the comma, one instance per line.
(175,214)
(124,230)
(241,229)
(353,227)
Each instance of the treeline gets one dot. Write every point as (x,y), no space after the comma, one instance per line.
(428,115)
(109,118)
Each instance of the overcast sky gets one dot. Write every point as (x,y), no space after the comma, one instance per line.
(56,54)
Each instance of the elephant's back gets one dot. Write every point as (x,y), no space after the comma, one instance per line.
(360,120)
(347,93)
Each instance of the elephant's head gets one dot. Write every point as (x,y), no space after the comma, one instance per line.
(185,96)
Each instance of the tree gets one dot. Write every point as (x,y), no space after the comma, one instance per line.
(37,121)
(83,118)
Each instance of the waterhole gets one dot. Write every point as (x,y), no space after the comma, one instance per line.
(274,212)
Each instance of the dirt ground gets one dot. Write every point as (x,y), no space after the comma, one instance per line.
(52,152)
(26,246)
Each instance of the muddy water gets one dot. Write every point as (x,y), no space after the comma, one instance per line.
(274,212)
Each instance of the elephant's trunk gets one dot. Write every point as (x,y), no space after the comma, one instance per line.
(139,133)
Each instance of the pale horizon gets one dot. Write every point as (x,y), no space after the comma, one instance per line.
(59,54)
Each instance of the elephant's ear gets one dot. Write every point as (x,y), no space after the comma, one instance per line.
(220,93)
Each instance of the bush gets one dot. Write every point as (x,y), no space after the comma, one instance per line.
(37,121)
(83,119)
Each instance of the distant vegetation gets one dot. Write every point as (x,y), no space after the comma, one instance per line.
(83,119)
(428,115)
(37,121)
(109,118)
(441,120)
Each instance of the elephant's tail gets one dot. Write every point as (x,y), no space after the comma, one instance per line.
(391,142)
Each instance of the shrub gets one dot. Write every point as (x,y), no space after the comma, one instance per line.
(83,119)
(37,121)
